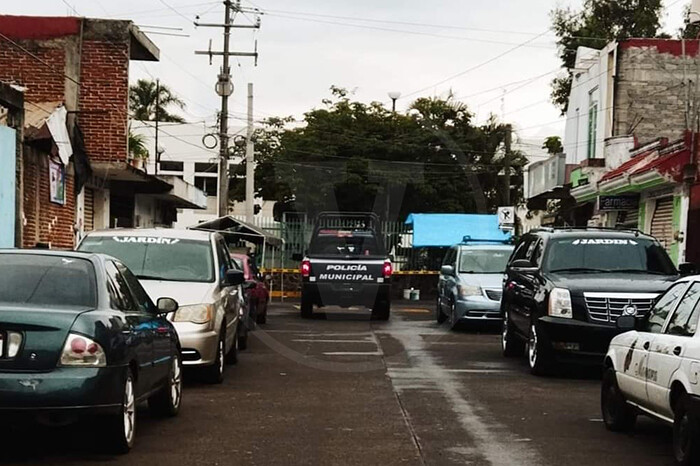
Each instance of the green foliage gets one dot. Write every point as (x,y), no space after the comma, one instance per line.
(137,146)
(599,22)
(352,156)
(553,145)
(142,102)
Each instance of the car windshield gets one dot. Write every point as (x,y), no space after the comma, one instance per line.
(47,281)
(157,258)
(484,260)
(607,255)
(346,245)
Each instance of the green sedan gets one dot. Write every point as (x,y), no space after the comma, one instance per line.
(79,336)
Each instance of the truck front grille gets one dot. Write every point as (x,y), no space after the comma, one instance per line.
(604,307)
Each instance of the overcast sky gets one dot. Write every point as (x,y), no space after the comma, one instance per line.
(414,47)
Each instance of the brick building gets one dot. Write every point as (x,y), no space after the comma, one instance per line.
(78,68)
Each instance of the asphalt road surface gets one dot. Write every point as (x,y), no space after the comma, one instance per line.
(340,389)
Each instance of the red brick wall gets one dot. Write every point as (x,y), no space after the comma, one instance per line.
(43,83)
(104,99)
(46,222)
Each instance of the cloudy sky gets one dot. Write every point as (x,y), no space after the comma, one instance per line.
(474,48)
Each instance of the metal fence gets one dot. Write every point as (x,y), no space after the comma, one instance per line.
(296,232)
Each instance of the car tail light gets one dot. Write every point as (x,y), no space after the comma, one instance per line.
(387,270)
(306,268)
(82,351)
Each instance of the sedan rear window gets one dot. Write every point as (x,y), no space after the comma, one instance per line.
(150,258)
(47,280)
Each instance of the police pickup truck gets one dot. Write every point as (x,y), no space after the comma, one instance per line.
(346,265)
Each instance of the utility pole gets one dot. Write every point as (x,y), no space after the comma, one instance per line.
(250,162)
(224,87)
(157,119)
(507,162)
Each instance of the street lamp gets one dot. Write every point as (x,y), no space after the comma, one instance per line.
(394,96)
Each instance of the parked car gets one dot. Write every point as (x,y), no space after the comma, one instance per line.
(654,370)
(258,292)
(564,290)
(347,265)
(194,267)
(470,283)
(79,336)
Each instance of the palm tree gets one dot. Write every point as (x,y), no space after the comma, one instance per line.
(142,102)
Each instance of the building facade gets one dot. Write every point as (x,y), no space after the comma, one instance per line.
(75,172)
(630,157)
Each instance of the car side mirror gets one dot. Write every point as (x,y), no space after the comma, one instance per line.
(250,284)
(523,266)
(626,323)
(447,270)
(234,278)
(167,305)
(687,268)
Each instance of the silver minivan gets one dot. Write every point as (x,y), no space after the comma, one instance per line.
(471,281)
(194,268)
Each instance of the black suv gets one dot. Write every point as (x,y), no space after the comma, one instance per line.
(564,290)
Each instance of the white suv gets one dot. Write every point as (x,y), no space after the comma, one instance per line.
(655,370)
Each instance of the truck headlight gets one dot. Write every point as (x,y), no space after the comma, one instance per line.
(465,291)
(197,314)
(560,303)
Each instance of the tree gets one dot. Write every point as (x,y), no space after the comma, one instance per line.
(353,156)
(142,102)
(553,145)
(599,22)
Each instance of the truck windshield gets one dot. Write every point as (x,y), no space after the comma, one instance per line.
(336,245)
(484,260)
(155,258)
(47,281)
(636,255)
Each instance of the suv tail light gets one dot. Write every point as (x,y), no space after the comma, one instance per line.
(305,268)
(387,270)
(82,351)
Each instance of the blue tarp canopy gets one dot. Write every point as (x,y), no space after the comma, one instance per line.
(445,230)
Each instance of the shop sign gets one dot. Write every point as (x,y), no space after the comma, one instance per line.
(614,203)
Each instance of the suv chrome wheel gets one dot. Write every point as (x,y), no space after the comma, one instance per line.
(532,344)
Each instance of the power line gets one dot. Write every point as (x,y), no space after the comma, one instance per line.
(480,65)
(404,31)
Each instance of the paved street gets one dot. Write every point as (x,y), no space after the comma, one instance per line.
(342,390)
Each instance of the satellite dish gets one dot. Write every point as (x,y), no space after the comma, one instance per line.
(694,16)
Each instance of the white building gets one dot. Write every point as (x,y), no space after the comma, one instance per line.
(184,155)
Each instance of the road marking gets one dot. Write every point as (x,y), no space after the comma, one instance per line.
(354,353)
(493,441)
